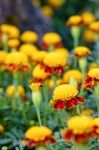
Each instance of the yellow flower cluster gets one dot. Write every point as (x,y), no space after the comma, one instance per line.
(82,51)
(94,73)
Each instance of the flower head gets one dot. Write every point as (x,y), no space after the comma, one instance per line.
(52,39)
(56,3)
(37,135)
(29,37)
(38,56)
(62,50)
(76,74)
(82,51)
(75,20)
(54,62)
(94,26)
(65,95)
(29,50)
(92,78)
(13,43)
(1,128)
(79,128)
(88,36)
(88,17)
(47,11)
(16,61)
(3,56)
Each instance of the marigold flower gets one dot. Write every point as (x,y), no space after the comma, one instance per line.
(76,74)
(92,78)
(13,43)
(10,91)
(79,128)
(16,61)
(29,50)
(1,128)
(65,95)
(82,51)
(88,36)
(94,26)
(88,17)
(39,74)
(29,37)
(38,56)
(51,39)
(10,30)
(75,20)
(37,135)
(58,82)
(62,50)
(54,62)
(87,112)
(47,11)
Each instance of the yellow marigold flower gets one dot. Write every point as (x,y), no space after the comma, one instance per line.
(11,90)
(29,50)
(1,128)
(56,3)
(88,17)
(51,38)
(64,92)
(3,56)
(16,61)
(96,122)
(94,73)
(47,11)
(62,50)
(38,133)
(13,43)
(75,20)
(93,65)
(80,124)
(29,37)
(39,73)
(87,112)
(82,51)
(35,86)
(94,26)
(76,74)
(38,56)
(5,28)
(88,35)
(14,32)
(54,59)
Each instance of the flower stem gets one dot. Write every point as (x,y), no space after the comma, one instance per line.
(38,115)
(96,94)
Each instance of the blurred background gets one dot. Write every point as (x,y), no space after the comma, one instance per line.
(45,15)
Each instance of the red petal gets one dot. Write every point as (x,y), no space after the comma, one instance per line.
(74,101)
(68,135)
(50,139)
(69,104)
(80,99)
(58,70)
(59,105)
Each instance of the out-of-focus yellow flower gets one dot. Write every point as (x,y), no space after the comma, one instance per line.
(64,92)
(29,37)
(1,128)
(29,50)
(13,43)
(37,133)
(10,30)
(94,26)
(47,11)
(88,17)
(39,73)
(54,59)
(76,74)
(94,73)
(88,36)
(16,61)
(87,112)
(35,86)
(51,38)
(56,3)
(38,56)
(82,51)
(80,124)
(3,56)
(11,90)
(58,82)
(62,50)
(93,65)
(75,20)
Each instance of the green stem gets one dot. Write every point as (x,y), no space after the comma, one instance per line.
(76,41)
(54,78)
(80,146)
(5,42)
(96,93)
(38,115)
